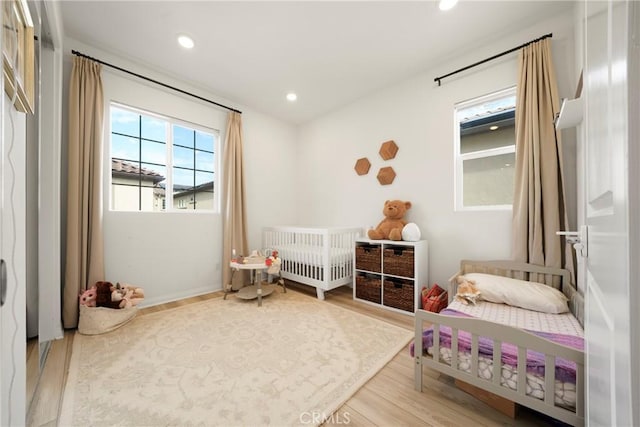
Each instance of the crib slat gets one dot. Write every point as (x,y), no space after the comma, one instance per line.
(474,356)
(436,343)
(522,371)
(549,379)
(454,348)
(497,361)
(579,388)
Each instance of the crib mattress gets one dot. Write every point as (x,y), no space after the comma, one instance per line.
(565,324)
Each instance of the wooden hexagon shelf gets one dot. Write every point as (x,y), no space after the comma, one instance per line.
(388,150)
(362,166)
(386,175)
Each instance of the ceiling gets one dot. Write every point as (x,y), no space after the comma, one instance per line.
(329,52)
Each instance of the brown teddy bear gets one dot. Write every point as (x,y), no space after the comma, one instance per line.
(103,295)
(391,226)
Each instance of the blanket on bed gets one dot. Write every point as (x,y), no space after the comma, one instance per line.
(565,370)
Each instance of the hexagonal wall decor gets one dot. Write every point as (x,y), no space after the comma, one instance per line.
(388,150)
(362,166)
(386,175)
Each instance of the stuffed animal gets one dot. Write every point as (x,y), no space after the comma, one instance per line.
(137,294)
(88,297)
(391,226)
(126,295)
(103,295)
(467,291)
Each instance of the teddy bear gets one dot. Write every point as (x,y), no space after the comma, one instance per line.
(129,295)
(104,291)
(467,291)
(391,226)
(126,295)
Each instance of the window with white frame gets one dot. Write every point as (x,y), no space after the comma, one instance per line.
(485,151)
(160,163)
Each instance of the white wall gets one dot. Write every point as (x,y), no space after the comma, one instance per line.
(176,255)
(418,116)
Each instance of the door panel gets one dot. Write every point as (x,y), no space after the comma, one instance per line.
(12,247)
(607,323)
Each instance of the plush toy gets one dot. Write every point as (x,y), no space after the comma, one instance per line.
(467,291)
(137,292)
(391,226)
(88,297)
(104,295)
(126,295)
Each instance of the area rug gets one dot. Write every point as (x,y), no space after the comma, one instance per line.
(293,361)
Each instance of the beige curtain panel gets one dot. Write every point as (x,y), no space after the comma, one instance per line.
(539,204)
(234,210)
(85,252)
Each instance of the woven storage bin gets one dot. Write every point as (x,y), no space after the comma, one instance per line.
(398,260)
(398,293)
(369,257)
(369,287)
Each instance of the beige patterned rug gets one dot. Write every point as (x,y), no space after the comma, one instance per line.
(229,363)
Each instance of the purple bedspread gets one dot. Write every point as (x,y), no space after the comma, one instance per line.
(565,370)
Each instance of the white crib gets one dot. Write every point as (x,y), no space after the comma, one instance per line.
(316,256)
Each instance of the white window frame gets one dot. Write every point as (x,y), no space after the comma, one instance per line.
(169,207)
(460,158)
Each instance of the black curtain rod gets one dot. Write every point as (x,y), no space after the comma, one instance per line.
(75,52)
(437,79)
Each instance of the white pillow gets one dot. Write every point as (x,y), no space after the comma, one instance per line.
(530,295)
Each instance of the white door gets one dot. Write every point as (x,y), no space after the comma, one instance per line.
(13,249)
(611,358)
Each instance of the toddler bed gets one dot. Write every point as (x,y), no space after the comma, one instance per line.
(315,256)
(492,344)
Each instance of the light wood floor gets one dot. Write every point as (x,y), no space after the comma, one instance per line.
(388,399)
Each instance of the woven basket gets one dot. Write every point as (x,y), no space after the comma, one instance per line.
(398,293)
(369,288)
(398,261)
(369,257)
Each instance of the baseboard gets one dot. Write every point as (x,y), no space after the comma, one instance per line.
(151,301)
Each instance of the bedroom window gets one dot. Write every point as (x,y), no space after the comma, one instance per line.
(159,163)
(485,151)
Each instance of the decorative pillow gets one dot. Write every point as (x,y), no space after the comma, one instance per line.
(519,293)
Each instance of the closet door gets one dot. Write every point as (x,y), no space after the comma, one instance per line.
(611,208)
(12,252)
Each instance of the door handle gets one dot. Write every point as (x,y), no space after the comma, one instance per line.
(3,282)
(579,240)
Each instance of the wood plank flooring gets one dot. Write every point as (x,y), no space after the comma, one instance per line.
(388,399)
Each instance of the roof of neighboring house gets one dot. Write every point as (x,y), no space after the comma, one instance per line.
(124,169)
(206,187)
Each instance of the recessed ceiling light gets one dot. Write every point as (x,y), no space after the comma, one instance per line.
(447,4)
(186,41)
(291,96)
(494,127)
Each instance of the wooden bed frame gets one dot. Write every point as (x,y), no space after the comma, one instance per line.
(315,256)
(559,279)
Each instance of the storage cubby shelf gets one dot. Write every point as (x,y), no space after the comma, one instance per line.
(390,273)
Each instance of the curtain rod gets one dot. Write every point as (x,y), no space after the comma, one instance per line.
(437,79)
(75,52)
